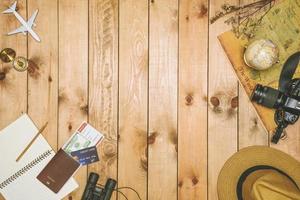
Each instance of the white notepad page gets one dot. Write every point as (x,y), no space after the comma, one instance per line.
(13,140)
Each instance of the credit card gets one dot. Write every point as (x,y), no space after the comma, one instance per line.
(86,156)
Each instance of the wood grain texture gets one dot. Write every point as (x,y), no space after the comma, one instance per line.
(291,143)
(13,88)
(222,115)
(133,99)
(251,130)
(43,72)
(103,83)
(192,110)
(139,72)
(163,75)
(73,74)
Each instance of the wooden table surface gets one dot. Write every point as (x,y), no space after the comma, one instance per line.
(150,75)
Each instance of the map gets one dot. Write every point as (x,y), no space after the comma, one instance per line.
(281,25)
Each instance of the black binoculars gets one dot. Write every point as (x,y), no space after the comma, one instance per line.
(93,192)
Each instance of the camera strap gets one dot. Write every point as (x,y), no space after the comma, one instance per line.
(282,117)
(288,71)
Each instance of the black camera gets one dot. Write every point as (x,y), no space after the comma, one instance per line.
(93,192)
(272,98)
(286,100)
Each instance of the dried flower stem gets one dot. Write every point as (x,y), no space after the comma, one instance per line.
(246,17)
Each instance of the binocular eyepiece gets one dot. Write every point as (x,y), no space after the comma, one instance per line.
(93,192)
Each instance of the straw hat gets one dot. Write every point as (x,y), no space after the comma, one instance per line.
(260,173)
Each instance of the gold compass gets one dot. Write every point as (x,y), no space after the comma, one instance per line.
(20,64)
(7,55)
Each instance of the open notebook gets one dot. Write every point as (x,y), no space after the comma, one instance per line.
(18,179)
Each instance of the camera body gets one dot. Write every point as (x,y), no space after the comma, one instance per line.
(286,100)
(93,192)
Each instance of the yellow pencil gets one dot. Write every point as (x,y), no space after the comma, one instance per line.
(32,141)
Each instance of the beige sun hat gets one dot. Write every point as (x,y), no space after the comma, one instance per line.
(260,173)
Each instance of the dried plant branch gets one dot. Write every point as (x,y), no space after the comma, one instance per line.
(245,18)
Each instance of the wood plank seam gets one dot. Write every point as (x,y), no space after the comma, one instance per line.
(178,96)
(74,80)
(250,131)
(57,108)
(148,110)
(133,97)
(192,115)
(222,115)
(163,99)
(207,96)
(104,83)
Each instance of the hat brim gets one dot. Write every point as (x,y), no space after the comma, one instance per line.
(250,157)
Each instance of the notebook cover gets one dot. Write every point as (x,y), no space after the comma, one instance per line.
(58,171)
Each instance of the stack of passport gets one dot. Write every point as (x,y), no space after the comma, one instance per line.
(79,150)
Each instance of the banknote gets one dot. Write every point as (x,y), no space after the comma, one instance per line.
(85,136)
(77,142)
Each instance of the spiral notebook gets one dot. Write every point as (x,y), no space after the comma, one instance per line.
(18,179)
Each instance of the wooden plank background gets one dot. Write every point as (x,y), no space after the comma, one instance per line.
(150,75)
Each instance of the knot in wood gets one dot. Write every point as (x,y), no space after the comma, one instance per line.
(70,127)
(189,100)
(2,76)
(33,69)
(152,137)
(85,109)
(109,150)
(176,148)
(195,180)
(255,121)
(144,159)
(202,11)
(215,101)
(180,184)
(234,102)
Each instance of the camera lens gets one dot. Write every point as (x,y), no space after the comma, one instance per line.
(266,96)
